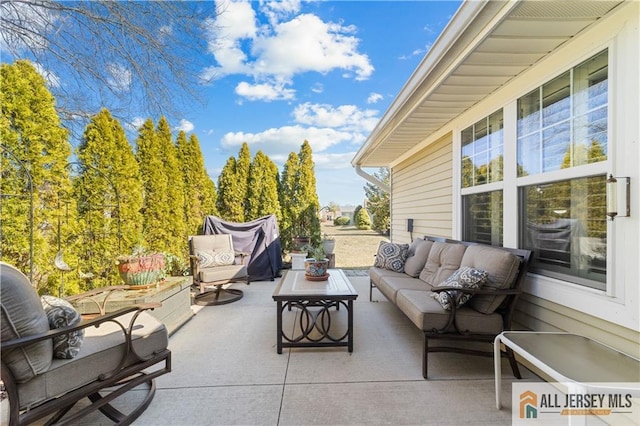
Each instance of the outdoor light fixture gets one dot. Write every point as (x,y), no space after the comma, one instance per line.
(618,196)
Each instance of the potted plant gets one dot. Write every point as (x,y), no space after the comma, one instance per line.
(328,243)
(315,266)
(141,269)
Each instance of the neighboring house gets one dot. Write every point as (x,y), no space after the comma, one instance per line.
(506,133)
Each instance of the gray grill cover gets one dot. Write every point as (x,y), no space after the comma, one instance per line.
(259,238)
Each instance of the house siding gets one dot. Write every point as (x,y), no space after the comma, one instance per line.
(425,187)
(421,189)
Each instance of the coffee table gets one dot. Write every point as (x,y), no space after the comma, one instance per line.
(314,301)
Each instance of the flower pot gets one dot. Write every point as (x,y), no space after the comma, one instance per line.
(329,246)
(316,268)
(141,271)
(300,243)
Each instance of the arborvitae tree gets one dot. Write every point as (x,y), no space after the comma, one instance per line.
(199,196)
(298,198)
(362,219)
(230,202)
(288,201)
(262,192)
(210,195)
(308,220)
(155,182)
(176,242)
(31,130)
(110,226)
(243,166)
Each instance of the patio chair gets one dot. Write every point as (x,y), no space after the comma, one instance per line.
(214,263)
(51,358)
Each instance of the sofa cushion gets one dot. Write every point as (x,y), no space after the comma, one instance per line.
(502,268)
(427,314)
(100,353)
(376,274)
(22,315)
(390,285)
(61,313)
(443,260)
(417,257)
(391,256)
(464,277)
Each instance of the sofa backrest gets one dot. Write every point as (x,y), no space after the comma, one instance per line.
(443,260)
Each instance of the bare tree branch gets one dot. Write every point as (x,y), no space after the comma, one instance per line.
(132,57)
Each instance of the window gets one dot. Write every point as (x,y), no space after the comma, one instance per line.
(482,151)
(562,125)
(564,223)
(482,219)
(482,163)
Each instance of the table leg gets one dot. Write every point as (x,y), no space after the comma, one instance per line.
(350,324)
(497,367)
(279,328)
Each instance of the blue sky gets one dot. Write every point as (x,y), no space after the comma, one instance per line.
(279,73)
(326,72)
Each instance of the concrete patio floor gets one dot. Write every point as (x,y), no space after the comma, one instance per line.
(226,372)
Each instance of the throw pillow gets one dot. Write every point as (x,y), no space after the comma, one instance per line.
(391,256)
(465,277)
(212,258)
(61,313)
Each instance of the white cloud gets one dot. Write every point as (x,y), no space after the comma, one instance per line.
(344,117)
(185,126)
(50,78)
(119,77)
(277,143)
(417,52)
(34,23)
(281,48)
(317,88)
(278,10)
(135,124)
(374,98)
(306,43)
(264,91)
(333,161)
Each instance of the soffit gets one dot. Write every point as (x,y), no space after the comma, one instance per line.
(475,68)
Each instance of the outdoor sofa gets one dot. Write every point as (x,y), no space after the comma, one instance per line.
(453,290)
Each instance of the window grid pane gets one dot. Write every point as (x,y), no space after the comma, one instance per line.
(482,151)
(564,223)
(482,216)
(572,124)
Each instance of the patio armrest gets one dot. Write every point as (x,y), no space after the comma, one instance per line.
(85,323)
(92,294)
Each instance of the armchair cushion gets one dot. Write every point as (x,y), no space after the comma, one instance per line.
(464,277)
(212,258)
(60,314)
(222,273)
(444,259)
(100,353)
(22,315)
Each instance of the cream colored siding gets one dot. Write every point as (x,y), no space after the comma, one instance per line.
(421,189)
(538,314)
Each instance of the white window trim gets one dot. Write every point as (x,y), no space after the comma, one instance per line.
(614,304)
